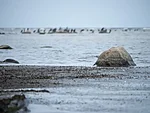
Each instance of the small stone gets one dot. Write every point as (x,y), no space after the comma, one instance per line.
(46,47)
(5,47)
(10,61)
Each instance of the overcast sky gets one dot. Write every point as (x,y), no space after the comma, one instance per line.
(75,13)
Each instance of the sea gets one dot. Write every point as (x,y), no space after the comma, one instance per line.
(88,95)
(80,49)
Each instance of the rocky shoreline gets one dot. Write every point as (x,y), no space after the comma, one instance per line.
(21,80)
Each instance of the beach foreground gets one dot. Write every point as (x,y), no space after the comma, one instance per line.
(78,89)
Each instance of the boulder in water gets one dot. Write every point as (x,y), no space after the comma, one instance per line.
(5,47)
(46,47)
(2,33)
(10,61)
(115,57)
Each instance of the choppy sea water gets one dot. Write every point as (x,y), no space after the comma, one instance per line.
(81,49)
(108,95)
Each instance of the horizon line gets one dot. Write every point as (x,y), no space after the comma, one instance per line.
(75,27)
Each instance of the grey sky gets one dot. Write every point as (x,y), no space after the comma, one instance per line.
(75,13)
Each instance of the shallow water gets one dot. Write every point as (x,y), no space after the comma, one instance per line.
(91,96)
(79,49)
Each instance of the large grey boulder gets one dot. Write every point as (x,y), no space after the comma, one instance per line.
(5,47)
(115,57)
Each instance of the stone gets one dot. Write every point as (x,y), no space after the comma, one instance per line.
(5,47)
(10,61)
(13,104)
(115,57)
(2,33)
(46,47)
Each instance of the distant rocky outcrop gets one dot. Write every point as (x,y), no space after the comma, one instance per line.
(9,61)
(115,57)
(5,47)
(13,104)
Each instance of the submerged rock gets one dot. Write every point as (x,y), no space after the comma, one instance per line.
(9,61)
(2,33)
(46,47)
(115,57)
(5,47)
(13,104)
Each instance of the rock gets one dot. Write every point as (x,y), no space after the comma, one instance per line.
(13,104)
(46,47)
(10,61)
(115,57)
(5,47)
(2,33)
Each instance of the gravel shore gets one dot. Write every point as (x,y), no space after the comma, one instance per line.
(79,89)
(13,77)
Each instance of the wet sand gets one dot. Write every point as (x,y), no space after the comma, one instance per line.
(78,89)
